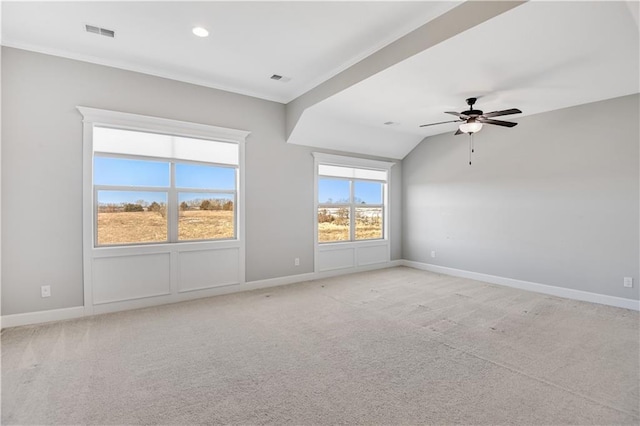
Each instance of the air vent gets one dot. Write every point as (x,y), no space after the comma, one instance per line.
(280,78)
(100,31)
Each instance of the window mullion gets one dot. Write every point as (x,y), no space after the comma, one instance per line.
(352,211)
(172,207)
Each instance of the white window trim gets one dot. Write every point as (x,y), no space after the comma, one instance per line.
(100,117)
(340,160)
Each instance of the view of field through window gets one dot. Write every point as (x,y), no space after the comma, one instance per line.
(339,199)
(145,222)
(128,216)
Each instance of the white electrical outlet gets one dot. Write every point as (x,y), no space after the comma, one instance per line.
(45,291)
(296,261)
(628,281)
(433,253)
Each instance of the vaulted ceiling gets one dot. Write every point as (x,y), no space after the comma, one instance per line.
(350,67)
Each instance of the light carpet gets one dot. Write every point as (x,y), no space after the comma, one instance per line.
(394,346)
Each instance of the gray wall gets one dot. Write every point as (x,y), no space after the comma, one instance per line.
(42,166)
(554,200)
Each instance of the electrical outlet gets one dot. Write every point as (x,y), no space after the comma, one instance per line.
(433,253)
(628,282)
(45,291)
(296,261)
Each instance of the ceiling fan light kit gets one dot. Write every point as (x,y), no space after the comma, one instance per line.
(470,126)
(472,121)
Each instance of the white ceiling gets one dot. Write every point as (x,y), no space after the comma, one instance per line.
(539,56)
(248,42)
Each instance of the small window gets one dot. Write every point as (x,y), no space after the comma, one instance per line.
(154,188)
(350,204)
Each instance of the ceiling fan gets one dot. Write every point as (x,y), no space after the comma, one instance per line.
(473,119)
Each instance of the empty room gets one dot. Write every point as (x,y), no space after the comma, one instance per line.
(311,213)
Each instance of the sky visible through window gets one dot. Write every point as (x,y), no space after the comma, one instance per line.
(126,172)
(337,191)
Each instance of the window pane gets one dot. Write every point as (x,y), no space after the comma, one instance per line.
(368,193)
(368,223)
(123,172)
(205,216)
(333,191)
(205,177)
(131,217)
(333,224)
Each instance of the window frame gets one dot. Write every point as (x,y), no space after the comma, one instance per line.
(168,255)
(352,206)
(172,191)
(93,117)
(360,163)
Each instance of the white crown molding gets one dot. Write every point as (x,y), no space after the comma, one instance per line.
(128,66)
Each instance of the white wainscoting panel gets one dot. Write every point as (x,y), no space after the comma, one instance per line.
(371,255)
(202,269)
(130,277)
(336,258)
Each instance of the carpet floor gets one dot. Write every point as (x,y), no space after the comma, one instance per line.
(394,346)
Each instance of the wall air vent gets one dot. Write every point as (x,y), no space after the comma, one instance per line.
(280,78)
(100,31)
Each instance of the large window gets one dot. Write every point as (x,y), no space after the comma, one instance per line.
(156,188)
(351,203)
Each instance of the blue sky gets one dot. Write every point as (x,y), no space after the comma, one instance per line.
(338,191)
(124,172)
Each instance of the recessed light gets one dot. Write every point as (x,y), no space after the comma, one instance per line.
(200,32)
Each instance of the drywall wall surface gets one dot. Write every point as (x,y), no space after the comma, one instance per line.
(42,172)
(554,200)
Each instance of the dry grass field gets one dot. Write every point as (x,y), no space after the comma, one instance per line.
(205,224)
(333,223)
(330,231)
(148,227)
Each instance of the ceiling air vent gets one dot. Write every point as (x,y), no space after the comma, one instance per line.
(100,31)
(280,78)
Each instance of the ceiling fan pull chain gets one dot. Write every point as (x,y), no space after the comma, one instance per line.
(470,143)
(472,147)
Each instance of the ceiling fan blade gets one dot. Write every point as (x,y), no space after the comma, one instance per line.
(441,122)
(458,132)
(497,122)
(504,112)
(458,114)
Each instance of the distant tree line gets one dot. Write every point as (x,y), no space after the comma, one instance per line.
(161,208)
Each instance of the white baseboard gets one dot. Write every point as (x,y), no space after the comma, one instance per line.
(41,316)
(567,293)
(76,312)
(16,320)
